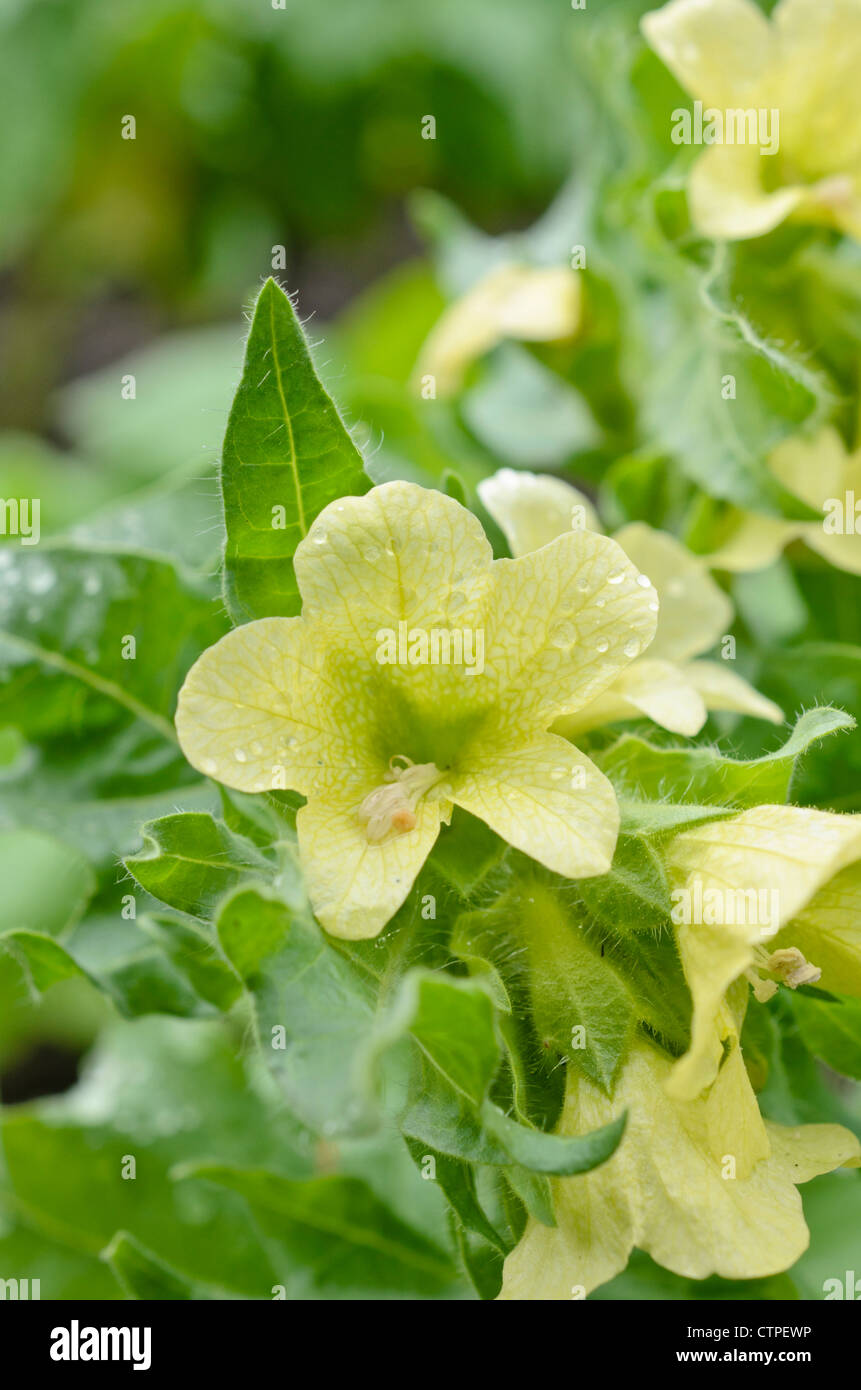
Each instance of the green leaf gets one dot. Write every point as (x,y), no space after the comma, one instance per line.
(313,1010)
(573,987)
(553,1153)
(191,861)
(832,1031)
(703,774)
(141,1274)
(285,448)
(251,928)
(453,1022)
(193,952)
(342,1237)
(159,1092)
(46,884)
(634,895)
(457,1180)
(66,620)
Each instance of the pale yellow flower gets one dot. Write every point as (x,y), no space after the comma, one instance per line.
(704,1186)
(667,685)
(779,889)
(375,706)
(803,64)
(827,477)
(512,301)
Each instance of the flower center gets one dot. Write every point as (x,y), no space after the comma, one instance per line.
(391,808)
(788,965)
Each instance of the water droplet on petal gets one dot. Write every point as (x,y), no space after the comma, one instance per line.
(257,750)
(565,635)
(615,576)
(583,584)
(644,581)
(602,645)
(631,647)
(240,755)
(210,766)
(654,606)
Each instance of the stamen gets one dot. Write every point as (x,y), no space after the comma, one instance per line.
(391,808)
(787,965)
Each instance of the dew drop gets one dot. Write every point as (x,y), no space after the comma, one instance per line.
(583,585)
(257,750)
(564,635)
(293,743)
(210,766)
(615,577)
(320,538)
(654,606)
(602,645)
(644,581)
(631,647)
(240,755)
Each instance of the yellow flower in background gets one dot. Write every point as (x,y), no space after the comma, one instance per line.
(779,894)
(668,1190)
(823,473)
(512,301)
(667,685)
(797,74)
(421,674)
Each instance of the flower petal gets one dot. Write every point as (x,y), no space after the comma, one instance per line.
(355,887)
(547,799)
(754,543)
(815,84)
(728,197)
(718,49)
(264,708)
(562,622)
(721,688)
(664,1191)
(532,509)
(828,931)
(782,854)
(657,689)
(695,613)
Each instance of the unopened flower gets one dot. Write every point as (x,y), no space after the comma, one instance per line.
(383,747)
(703,1186)
(798,69)
(827,477)
(666,684)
